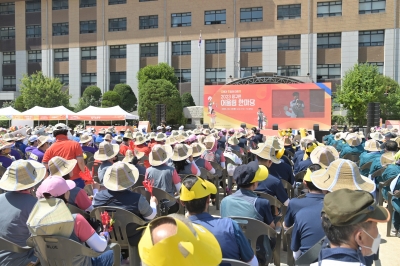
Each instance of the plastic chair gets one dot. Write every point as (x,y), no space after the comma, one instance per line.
(390,209)
(73,209)
(288,236)
(10,246)
(89,189)
(119,235)
(289,153)
(182,176)
(253,228)
(203,173)
(220,172)
(366,166)
(233,262)
(139,181)
(290,160)
(378,172)
(381,186)
(57,250)
(289,188)
(354,157)
(299,178)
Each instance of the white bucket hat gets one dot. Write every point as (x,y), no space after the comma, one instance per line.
(120,176)
(22,175)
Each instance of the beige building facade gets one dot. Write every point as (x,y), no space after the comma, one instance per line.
(106,42)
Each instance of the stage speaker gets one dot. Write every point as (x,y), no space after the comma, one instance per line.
(316,127)
(275,127)
(206,126)
(373,114)
(149,117)
(243,125)
(161,113)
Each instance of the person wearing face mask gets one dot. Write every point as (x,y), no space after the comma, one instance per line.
(351,228)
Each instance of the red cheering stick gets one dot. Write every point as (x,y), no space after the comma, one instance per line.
(148,184)
(86,176)
(107,221)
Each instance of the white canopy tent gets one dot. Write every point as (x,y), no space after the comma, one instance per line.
(54,111)
(7,113)
(93,113)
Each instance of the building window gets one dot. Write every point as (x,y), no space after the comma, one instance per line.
(148,22)
(215,17)
(117,24)
(371,38)
(251,44)
(118,51)
(89,53)
(148,49)
(249,71)
(329,9)
(64,78)
(181,19)
(331,71)
(7,33)
(117,78)
(60,29)
(329,40)
(288,71)
(33,31)
(289,42)
(33,6)
(35,56)
(215,75)
(183,75)
(7,8)
(116,2)
(181,48)
(371,6)
(9,58)
(216,46)
(60,4)
(289,12)
(9,83)
(89,26)
(61,55)
(87,3)
(88,79)
(379,65)
(251,14)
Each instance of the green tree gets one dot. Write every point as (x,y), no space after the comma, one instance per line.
(8,104)
(153,72)
(110,99)
(160,91)
(39,90)
(187,100)
(19,104)
(92,91)
(128,98)
(361,85)
(91,97)
(390,105)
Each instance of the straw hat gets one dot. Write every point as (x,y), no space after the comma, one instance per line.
(160,137)
(138,154)
(200,138)
(106,151)
(181,152)
(387,158)
(206,132)
(233,141)
(180,138)
(197,131)
(198,149)
(85,138)
(118,138)
(341,174)
(287,141)
(4,144)
(209,142)
(102,131)
(266,152)
(60,166)
(120,176)
(174,133)
(139,140)
(324,155)
(274,142)
(152,135)
(338,136)
(171,140)
(361,134)
(19,136)
(22,174)
(42,140)
(128,156)
(353,139)
(9,137)
(372,145)
(160,154)
(128,135)
(376,136)
(239,134)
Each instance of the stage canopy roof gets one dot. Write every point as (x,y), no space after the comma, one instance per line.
(103,114)
(43,113)
(7,113)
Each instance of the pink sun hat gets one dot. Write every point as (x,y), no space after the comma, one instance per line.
(55,186)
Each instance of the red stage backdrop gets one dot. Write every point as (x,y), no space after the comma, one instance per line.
(288,105)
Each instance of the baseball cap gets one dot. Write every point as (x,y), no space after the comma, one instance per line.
(250,173)
(33,138)
(55,186)
(60,126)
(349,207)
(200,189)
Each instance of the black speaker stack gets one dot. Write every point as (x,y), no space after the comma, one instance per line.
(275,127)
(161,113)
(373,115)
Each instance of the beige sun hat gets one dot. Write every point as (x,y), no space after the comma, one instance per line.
(102,131)
(85,138)
(387,158)
(118,138)
(338,136)
(206,132)
(120,176)
(171,141)
(266,152)
(138,154)
(197,131)
(340,174)
(239,134)
(160,137)
(233,141)
(42,140)
(353,140)
(60,167)
(4,144)
(376,136)
(180,138)
(22,175)
(108,136)
(372,145)
(174,133)
(324,155)
(209,142)
(106,151)
(160,154)
(198,149)
(274,142)
(128,156)
(139,140)
(9,137)
(181,152)
(200,139)
(19,136)
(152,135)
(361,134)
(128,135)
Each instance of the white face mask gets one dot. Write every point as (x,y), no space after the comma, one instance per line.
(375,244)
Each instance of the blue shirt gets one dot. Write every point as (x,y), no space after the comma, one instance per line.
(274,187)
(36,155)
(5,161)
(221,142)
(99,139)
(340,145)
(298,156)
(89,149)
(302,166)
(351,149)
(20,146)
(295,205)
(282,171)
(77,139)
(342,255)
(307,230)
(367,157)
(16,154)
(102,169)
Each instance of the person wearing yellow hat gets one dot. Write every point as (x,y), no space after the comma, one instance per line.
(245,202)
(195,196)
(174,240)
(303,165)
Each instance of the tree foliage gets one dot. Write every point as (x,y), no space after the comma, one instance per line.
(187,100)
(39,90)
(91,97)
(19,104)
(160,91)
(92,91)
(364,84)
(128,98)
(110,99)
(153,72)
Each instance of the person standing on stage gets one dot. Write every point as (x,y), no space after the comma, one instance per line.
(260,117)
